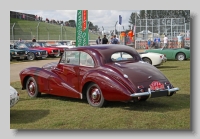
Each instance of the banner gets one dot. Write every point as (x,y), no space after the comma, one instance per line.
(82,37)
(120,19)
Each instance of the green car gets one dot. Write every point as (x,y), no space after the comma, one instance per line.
(17,54)
(173,54)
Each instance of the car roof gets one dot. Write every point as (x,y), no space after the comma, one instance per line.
(106,50)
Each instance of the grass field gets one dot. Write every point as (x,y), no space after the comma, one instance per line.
(164,113)
(26,30)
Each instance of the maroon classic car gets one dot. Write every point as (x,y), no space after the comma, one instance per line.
(99,74)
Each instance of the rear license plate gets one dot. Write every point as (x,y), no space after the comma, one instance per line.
(21,57)
(155,85)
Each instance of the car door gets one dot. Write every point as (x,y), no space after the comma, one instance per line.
(68,72)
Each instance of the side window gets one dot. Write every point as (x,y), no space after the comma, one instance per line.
(86,60)
(121,56)
(70,57)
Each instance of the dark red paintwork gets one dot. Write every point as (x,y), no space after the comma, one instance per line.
(73,80)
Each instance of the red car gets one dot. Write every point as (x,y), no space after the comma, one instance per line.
(52,52)
(99,74)
(47,45)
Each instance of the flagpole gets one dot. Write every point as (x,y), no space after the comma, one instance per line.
(135,29)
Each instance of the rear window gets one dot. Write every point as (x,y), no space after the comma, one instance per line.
(122,56)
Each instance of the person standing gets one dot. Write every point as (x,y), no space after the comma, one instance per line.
(149,43)
(165,42)
(111,39)
(156,43)
(115,40)
(104,40)
(127,39)
(98,41)
(180,39)
(34,40)
(20,40)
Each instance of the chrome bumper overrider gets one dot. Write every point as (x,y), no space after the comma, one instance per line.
(165,92)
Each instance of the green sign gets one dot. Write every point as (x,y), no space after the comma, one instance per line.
(82,37)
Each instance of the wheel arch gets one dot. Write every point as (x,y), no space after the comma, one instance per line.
(84,89)
(148,59)
(120,90)
(24,81)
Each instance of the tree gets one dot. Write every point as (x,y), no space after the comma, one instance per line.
(72,23)
(142,14)
(132,19)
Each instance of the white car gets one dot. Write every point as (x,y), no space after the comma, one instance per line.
(14,96)
(154,59)
(60,45)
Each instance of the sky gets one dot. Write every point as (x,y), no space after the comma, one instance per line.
(105,18)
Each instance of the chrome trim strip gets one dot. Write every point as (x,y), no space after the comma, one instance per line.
(149,92)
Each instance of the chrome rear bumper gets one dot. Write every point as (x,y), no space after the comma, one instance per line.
(157,93)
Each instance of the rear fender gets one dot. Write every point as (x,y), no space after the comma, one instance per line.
(112,89)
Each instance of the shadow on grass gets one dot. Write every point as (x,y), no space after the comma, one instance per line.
(164,67)
(160,104)
(27,116)
(49,96)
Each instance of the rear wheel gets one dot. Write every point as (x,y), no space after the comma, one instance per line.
(147,60)
(180,56)
(32,88)
(94,96)
(10,57)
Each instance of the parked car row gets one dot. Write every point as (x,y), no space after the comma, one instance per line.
(36,50)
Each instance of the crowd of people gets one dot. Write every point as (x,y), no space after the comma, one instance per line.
(156,43)
(104,40)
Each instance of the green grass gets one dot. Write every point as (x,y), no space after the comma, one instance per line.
(25,30)
(164,113)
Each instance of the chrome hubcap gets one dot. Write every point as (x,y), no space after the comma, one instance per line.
(95,94)
(181,57)
(31,87)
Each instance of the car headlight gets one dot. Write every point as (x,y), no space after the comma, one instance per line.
(26,52)
(38,53)
(52,51)
(46,52)
(16,53)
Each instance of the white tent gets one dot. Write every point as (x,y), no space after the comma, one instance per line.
(144,32)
